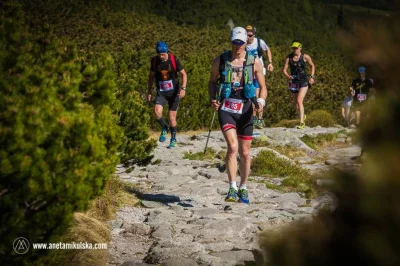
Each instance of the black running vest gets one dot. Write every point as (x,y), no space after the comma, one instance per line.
(298,68)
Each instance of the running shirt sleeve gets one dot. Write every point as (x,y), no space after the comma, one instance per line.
(263,45)
(179,66)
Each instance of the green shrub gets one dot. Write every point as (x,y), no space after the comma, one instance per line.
(58,136)
(267,164)
(320,118)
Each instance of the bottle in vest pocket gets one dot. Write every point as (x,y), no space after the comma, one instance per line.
(249,88)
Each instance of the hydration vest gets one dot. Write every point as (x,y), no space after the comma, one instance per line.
(225,70)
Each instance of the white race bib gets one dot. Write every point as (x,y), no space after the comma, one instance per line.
(294,87)
(361,97)
(232,106)
(166,85)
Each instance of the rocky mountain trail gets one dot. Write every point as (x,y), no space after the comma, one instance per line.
(182,218)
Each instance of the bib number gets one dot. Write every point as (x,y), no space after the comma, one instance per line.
(293,87)
(361,97)
(232,106)
(166,85)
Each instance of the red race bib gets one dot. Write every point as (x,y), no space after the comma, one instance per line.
(232,106)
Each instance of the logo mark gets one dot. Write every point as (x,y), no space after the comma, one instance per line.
(21,245)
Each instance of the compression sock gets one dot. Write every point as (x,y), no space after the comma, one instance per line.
(173,132)
(161,121)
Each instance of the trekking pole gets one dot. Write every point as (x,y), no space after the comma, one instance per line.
(209,131)
(212,120)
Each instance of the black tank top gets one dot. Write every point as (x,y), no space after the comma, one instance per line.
(298,68)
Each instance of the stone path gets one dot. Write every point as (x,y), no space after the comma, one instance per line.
(184,220)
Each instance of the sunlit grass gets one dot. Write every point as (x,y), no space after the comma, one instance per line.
(268,165)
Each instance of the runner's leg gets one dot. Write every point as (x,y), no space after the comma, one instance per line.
(231,161)
(300,98)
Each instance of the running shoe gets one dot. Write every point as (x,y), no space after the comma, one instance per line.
(163,136)
(172,144)
(243,196)
(232,195)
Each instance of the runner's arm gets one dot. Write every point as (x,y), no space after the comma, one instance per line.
(285,67)
(150,85)
(150,82)
(184,78)
(309,60)
(258,70)
(182,91)
(268,55)
(212,83)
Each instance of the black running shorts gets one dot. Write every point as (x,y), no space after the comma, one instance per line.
(173,101)
(295,87)
(239,116)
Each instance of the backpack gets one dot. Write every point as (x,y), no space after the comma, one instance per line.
(260,51)
(225,70)
(155,61)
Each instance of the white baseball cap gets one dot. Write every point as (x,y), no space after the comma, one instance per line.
(239,33)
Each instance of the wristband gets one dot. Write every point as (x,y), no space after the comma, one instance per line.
(262,101)
(183,88)
(311,77)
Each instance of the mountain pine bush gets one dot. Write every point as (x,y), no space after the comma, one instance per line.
(59,136)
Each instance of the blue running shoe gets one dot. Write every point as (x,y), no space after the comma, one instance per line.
(172,144)
(163,136)
(232,195)
(243,196)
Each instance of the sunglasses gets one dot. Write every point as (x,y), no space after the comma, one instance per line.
(238,42)
(250,35)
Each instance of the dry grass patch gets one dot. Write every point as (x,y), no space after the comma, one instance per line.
(201,156)
(290,151)
(287,123)
(260,142)
(91,227)
(319,141)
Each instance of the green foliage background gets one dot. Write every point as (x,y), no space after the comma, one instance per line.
(73,80)
(197,32)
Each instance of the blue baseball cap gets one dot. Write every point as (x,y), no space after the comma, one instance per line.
(162,47)
(361,69)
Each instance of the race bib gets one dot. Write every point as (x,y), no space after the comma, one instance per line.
(361,97)
(293,87)
(166,85)
(232,106)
